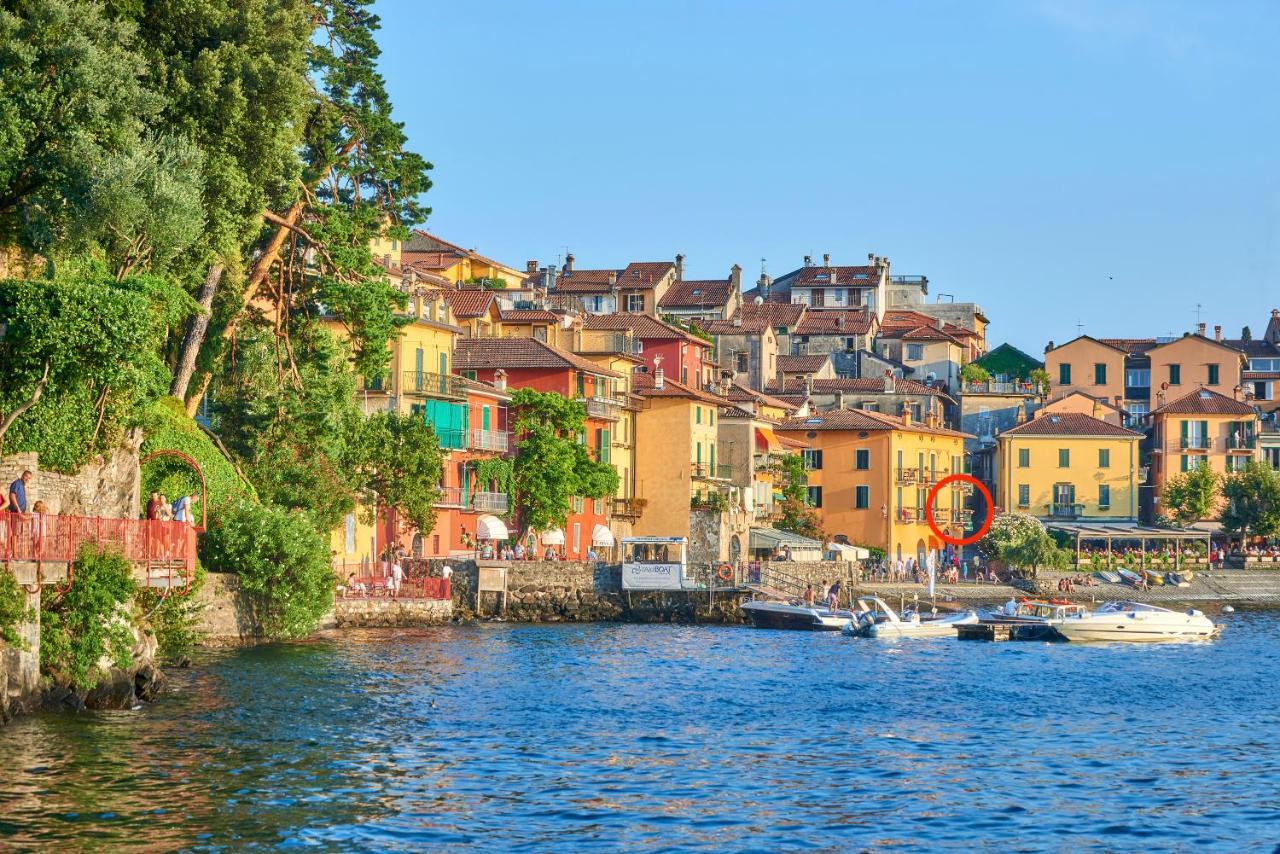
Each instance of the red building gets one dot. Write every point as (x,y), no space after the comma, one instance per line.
(686,358)
(516,363)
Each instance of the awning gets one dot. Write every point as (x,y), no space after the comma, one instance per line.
(554,537)
(849,552)
(767,441)
(769,538)
(602,536)
(491,528)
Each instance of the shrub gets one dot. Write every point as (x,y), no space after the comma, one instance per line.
(172,618)
(282,562)
(166,426)
(90,621)
(13,609)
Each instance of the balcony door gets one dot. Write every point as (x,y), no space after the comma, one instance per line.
(1064,498)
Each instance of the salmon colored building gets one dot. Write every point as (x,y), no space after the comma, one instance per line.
(1202,428)
(684,357)
(529,363)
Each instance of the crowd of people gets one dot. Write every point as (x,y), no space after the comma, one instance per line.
(951,569)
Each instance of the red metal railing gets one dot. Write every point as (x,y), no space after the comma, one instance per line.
(375,582)
(154,544)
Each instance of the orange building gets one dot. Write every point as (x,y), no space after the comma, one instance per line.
(1203,428)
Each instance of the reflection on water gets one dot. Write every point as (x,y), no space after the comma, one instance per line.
(658,737)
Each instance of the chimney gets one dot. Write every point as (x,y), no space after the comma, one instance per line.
(782,381)
(568,263)
(839,399)
(1020,417)
(679,268)
(1097,409)
(826,259)
(906,414)
(735,277)
(531,266)
(1217,333)
(500,379)
(934,419)
(1239,393)
(737,318)
(808,260)
(890,382)
(549,278)
(613,278)
(840,322)
(1160,400)
(659,378)
(1200,327)
(871,259)
(808,384)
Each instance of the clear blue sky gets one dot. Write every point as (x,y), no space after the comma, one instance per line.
(1112,163)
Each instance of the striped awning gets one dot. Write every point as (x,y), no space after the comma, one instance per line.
(603,537)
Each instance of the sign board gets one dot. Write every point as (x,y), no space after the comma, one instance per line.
(492,579)
(651,576)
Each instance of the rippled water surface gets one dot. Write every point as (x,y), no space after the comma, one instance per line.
(662,737)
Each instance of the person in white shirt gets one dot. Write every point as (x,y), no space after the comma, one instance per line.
(1010,608)
(446,571)
(397,576)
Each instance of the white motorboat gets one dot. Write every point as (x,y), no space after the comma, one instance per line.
(1137,621)
(781,615)
(876,619)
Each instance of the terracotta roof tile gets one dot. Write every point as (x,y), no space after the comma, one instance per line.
(802,364)
(859,419)
(530,315)
(1132,346)
(741,394)
(1070,424)
(695,293)
(470,303)
(758,318)
(641,326)
(1204,402)
(827,321)
(644,274)
(818,277)
(865,385)
(509,353)
(642,383)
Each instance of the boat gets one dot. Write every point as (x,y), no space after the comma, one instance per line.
(1130,577)
(1179,579)
(1038,611)
(1109,576)
(764,614)
(1137,622)
(1154,577)
(875,619)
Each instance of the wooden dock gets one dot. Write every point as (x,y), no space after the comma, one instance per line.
(1006,632)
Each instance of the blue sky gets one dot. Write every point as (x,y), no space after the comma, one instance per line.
(1076,161)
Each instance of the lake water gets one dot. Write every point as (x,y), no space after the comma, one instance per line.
(565,737)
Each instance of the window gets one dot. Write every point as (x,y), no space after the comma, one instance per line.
(1024,495)
(1213,375)
(350,539)
(1104,496)
(1104,458)
(635,302)
(862,459)
(743,365)
(813,496)
(1024,458)
(1175,375)
(1193,462)
(577,537)
(1064,374)
(812,459)
(599,506)
(1064,458)
(578,504)
(1100,374)
(711,417)
(861,497)
(915,352)
(697,415)
(1137,377)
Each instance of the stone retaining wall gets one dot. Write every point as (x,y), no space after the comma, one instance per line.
(106,486)
(390,612)
(224,616)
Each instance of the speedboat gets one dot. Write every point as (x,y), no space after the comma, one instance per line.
(782,615)
(1039,612)
(875,619)
(1137,621)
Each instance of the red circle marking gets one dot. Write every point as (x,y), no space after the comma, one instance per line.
(982,490)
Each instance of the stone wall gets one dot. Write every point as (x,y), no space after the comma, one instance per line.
(814,572)
(20,669)
(391,612)
(107,486)
(224,617)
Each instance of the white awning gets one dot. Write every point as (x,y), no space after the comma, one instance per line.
(491,528)
(554,537)
(603,537)
(850,552)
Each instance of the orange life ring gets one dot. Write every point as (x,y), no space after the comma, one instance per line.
(725,572)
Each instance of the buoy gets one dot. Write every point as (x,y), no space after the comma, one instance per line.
(1227,609)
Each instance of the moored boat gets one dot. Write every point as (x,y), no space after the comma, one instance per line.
(877,620)
(1109,576)
(1137,622)
(781,615)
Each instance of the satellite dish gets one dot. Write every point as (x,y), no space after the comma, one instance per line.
(758,300)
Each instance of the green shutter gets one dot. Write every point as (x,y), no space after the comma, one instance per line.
(606,449)
(1204,433)
(1184,439)
(1184,462)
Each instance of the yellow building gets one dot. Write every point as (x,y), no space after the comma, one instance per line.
(676,453)
(870,474)
(430,254)
(1069,466)
(624,509)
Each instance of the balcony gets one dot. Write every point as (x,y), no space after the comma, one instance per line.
(498,441)
(705,471)
(1195,443)
(490,502)
(941,514)
(1065,511)
(602,407)
(451,496)
(1241,443)
(428,384)
(908,515)
(609,343)
(628,508)
(993,387)
(907,476)
(961,517)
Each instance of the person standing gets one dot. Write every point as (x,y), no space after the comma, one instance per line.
(18,493)
(808,594)
(833,595)
(397,578)
(153,506)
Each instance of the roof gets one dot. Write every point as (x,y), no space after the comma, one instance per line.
(860,419)
(644,274)
(1254,347)
(757,318)
(530,315)
(509,353)
(1204,401)
(695,293)
(1132,346)
(420,240)
(767,538)
(641,326)
(585,281)
(1203,339)
(826,321)
(470,303)
(740,393)
(1113,343)
(1007,358)
(928,333)
(905,319)
(1070,424)
(802,364)
(820,277)
(642,384)
(866,385)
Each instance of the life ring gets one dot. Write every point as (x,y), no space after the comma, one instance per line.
(725,572)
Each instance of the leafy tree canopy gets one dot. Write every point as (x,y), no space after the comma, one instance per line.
(1253,500)
(1189,496)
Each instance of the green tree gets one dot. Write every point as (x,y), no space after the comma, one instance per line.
(398,458)
(13,609)
(1040,380)
(1246,334)
(92,620)
(1021,541)
(551,465)
(796,515)
(972,373)
(1253,500)
(282,562)
(1189,496)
